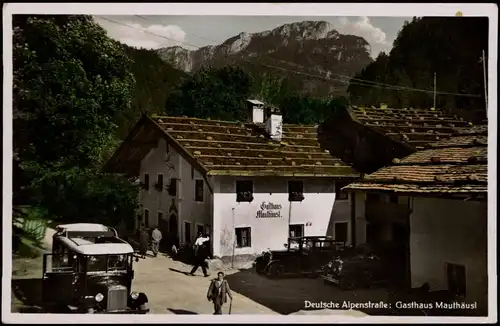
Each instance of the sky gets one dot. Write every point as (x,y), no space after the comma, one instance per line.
(153,32)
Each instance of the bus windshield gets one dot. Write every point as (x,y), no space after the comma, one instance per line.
(100,263)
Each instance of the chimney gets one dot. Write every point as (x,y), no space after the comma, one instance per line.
(256,111)
(274,123)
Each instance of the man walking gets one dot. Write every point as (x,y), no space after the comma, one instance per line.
(155,241)
(218,291)
(200,255)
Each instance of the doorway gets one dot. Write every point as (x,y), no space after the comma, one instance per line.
(187,232)
(173,231)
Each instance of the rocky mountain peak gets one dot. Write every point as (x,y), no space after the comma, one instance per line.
(306,30)
(315,45)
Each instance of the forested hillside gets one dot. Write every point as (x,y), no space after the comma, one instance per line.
(154,80)
(449,47)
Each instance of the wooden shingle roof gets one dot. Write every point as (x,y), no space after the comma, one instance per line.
(231,148)
(457,165)
(415,127)
(236,148)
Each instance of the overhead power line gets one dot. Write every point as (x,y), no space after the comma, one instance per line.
(343,78)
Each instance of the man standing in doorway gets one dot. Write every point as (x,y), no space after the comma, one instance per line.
(155,241)
(218,291)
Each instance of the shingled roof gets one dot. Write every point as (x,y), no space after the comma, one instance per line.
(231,148)
(457,165)
(414,127)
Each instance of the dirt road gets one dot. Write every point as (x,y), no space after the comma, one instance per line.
(171,291)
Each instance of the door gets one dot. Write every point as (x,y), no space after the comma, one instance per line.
(173,230)
(187,232)
(341,231)
(59,276)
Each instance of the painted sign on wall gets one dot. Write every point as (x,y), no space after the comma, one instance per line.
(269,210)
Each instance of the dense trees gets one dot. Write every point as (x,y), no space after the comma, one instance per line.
(450,47)
(217,93)
(155,80)
(220,93)
(71,83)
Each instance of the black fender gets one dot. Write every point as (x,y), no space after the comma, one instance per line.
(275,268)
(260,264)
(139,302)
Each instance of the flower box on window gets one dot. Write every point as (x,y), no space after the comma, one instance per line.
(295,196)
(246,196)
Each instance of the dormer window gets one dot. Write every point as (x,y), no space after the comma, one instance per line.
(295,191)
(244,191)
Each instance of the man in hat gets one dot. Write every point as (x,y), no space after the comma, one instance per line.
(218,291)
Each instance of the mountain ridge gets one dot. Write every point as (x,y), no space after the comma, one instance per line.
(307,46)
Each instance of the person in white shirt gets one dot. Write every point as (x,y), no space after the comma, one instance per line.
(201,253)
(201,239)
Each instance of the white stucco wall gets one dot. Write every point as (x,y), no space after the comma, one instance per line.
(176,167)
(315,212)
(449,231)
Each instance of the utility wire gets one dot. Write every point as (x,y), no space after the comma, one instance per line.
(344,78)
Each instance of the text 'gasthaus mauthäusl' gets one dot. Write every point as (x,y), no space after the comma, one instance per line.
(269,210)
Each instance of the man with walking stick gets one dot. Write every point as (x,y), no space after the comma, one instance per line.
(218,291)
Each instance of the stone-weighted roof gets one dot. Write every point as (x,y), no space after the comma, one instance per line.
(234,148)
(415,127)
(457,165)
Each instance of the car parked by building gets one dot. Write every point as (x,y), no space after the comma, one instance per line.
(302,256)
